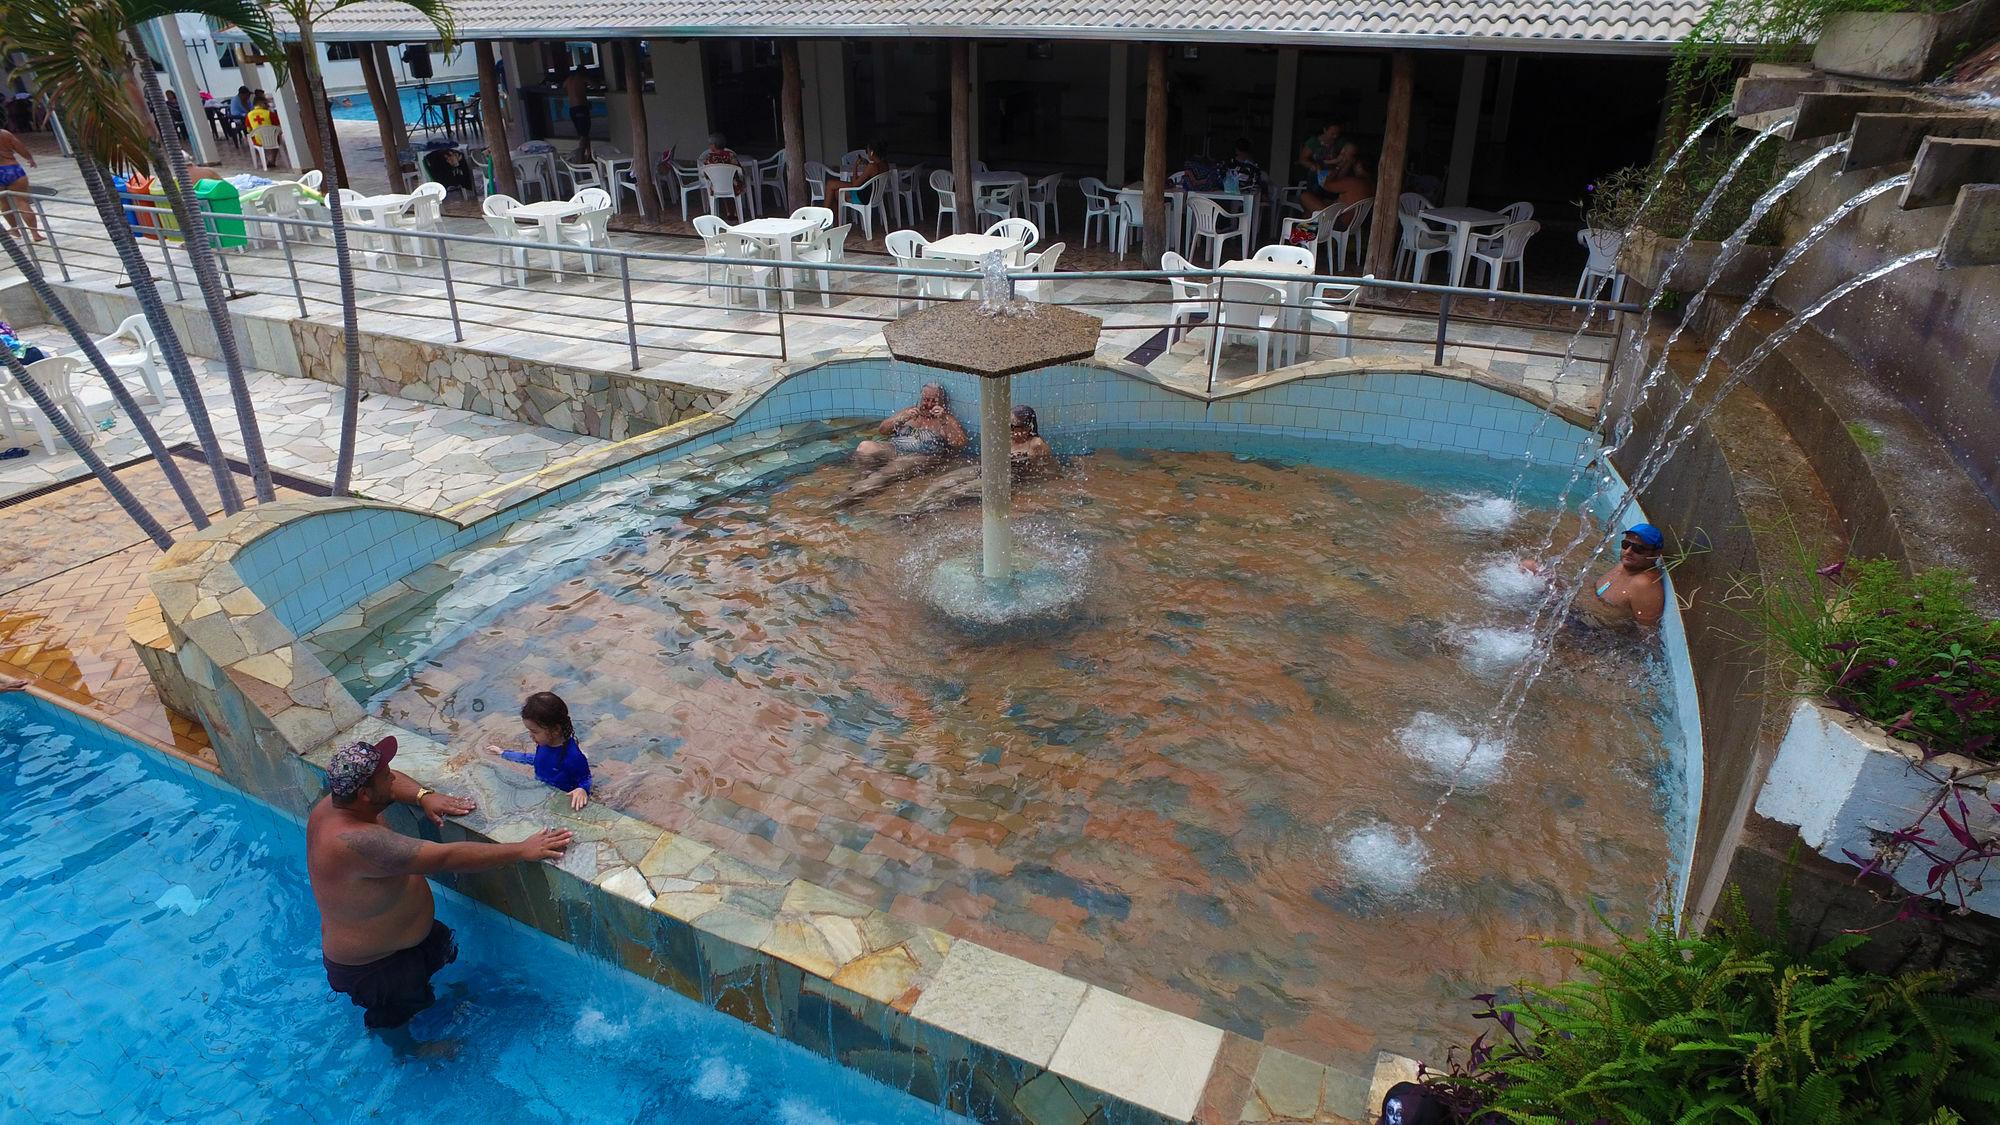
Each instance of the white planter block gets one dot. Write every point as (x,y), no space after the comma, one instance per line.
(1845,785)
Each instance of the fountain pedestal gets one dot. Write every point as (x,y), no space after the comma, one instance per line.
(996,479)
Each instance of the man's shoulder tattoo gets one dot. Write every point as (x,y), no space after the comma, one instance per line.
(383,847)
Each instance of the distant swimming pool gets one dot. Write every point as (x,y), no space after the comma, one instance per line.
(161,963)
(411,98)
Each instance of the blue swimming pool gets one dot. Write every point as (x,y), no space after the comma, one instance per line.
(411,97)
(161,963)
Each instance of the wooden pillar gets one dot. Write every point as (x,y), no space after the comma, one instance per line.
(371,77)
(642,141)
(1387,230)
(1153,212)
(393,107)
(492,121)
(325,150)
(792,118)
(961,137)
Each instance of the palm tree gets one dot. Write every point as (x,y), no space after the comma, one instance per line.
(77,51)
(305,13)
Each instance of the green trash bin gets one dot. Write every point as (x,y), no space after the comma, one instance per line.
(219,198)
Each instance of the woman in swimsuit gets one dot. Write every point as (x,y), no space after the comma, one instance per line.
(1028,456)
(14,182)
(919,440)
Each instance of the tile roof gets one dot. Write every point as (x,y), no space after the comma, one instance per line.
(1588,25)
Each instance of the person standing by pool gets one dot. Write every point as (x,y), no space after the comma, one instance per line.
(14,178)
(557,759)
(379,934)
(578,95)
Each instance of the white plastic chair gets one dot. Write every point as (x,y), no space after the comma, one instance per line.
(1032,278)
(285,201)
(1418,244)
(132,348)
(1410,203)
(768,175)
(56,376)
(1601,267)
(1288,255)
(1346,227)
(1020,230)
(907,247)
(1208,217)
(312,179)
(1045,202)
(1096,208)
(1250,308)
(263,142)
(1507,248)
(907,193)
(1518,212)
(726,181)
(816,174)
(1192,299)
(496,208)
(590,230)
(1332,308)
(690,184)
(423,216)
(997,200)
(711,228)
(1322,223)
(581,174)
(947,200)
(828,247)
(1129,216)
(744,275)
(821,215)
(865,200)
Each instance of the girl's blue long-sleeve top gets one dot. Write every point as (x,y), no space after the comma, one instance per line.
(563,766)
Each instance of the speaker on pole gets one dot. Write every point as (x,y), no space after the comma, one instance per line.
(417,56)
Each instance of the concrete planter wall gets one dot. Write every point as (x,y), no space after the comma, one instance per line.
(1645,255)
(1902,46)
(1845,785)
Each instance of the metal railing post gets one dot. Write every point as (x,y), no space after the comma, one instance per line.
(55,247)
(208,230)
(1444,317)
(631,321)
(450,292)
(781,292)
(1214,332)
(167,256)
(292,267)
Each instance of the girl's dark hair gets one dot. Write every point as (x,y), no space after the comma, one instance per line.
(1025,415)
(546,709)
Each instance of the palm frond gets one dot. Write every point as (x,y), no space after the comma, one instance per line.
(251,18)
(77,54)
(437,11)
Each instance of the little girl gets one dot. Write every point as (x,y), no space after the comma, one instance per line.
(556,759)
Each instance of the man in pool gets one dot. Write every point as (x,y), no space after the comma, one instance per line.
(1631,593)
(379,934)
(916,439)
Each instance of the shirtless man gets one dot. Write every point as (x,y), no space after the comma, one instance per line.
(379,933)
(577,93)
(1631,592)
(917,439)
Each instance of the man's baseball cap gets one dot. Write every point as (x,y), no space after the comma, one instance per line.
(1646,533)
(356,762)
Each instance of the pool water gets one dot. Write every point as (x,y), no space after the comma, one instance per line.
(411,99)
(161,963)
(1206,792)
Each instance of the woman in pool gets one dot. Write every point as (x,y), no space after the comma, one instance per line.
(1028,456)
(917,439)
(14,180)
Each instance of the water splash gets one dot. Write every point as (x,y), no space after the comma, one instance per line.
(996,289)
(593,1028)
(719,1080)
(1383,858)
(1481,512)
(1443,746)
(1503,580)
(1490,650)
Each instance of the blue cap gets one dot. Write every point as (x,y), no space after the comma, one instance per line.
(1651,536)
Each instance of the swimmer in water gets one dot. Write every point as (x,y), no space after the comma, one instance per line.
(1633,592)
(916,439)
(1028,456)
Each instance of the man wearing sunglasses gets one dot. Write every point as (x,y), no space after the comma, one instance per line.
(1631,592)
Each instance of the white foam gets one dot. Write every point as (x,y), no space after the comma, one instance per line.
(1478,511)
(1503,580)
(719,1080)
(797,1111)
(1383,858)
(1495,650)
(592,1028)
(1438,743)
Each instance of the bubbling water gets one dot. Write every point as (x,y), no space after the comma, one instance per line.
(1049,580)
(1447,749)
(1503,580)
(1480,512)
(1383,858)
(1489,650)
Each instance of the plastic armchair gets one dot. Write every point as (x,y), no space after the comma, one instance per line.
(1418,244)
(590,230)
(1208,219)
(1020,230)
(285,201)
(865,200)
(689,184)
(495,209)
(1193,300)
(263,142)
(907,193)
(1045,201)
(996,200)
(1518,212)
(711,228)
(1130,216)
(907,247)
(312,180)
(1096,208)
(1034,280)
(1322,224)
(768,175)
(56,376)
(741,275)
(423,216)
(824,216)
(580,174)
(726,181)
(1251,308)
(1332,305)
(1507,248)
(828,247)
(816,174)
(1601,267)
(1346,227)
(1410,203)
(947,200)
(132,348)
(1287,255)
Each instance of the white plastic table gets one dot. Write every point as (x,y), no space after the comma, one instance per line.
(974,248)
(1462,220)
(610,162)
(782,236)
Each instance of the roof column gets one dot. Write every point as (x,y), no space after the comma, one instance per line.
(181,69)
(961,139)
(1386,232)
(1465,134)
(642,141)
(392,104)
(1284,117)
(1153,212)
(792,119)
(381,94)
(1114,133)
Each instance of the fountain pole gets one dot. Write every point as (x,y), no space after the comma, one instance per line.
(996,478)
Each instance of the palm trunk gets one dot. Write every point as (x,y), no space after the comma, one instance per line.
(38,284)
(350,328)
(81,445)
(201,255)
(112,214)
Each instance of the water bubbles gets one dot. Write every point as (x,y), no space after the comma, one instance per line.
(1482,512)
(592,1028)
(1383,858)
(1489,650)
(1503,580)
(719,1080)
(1450,752)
